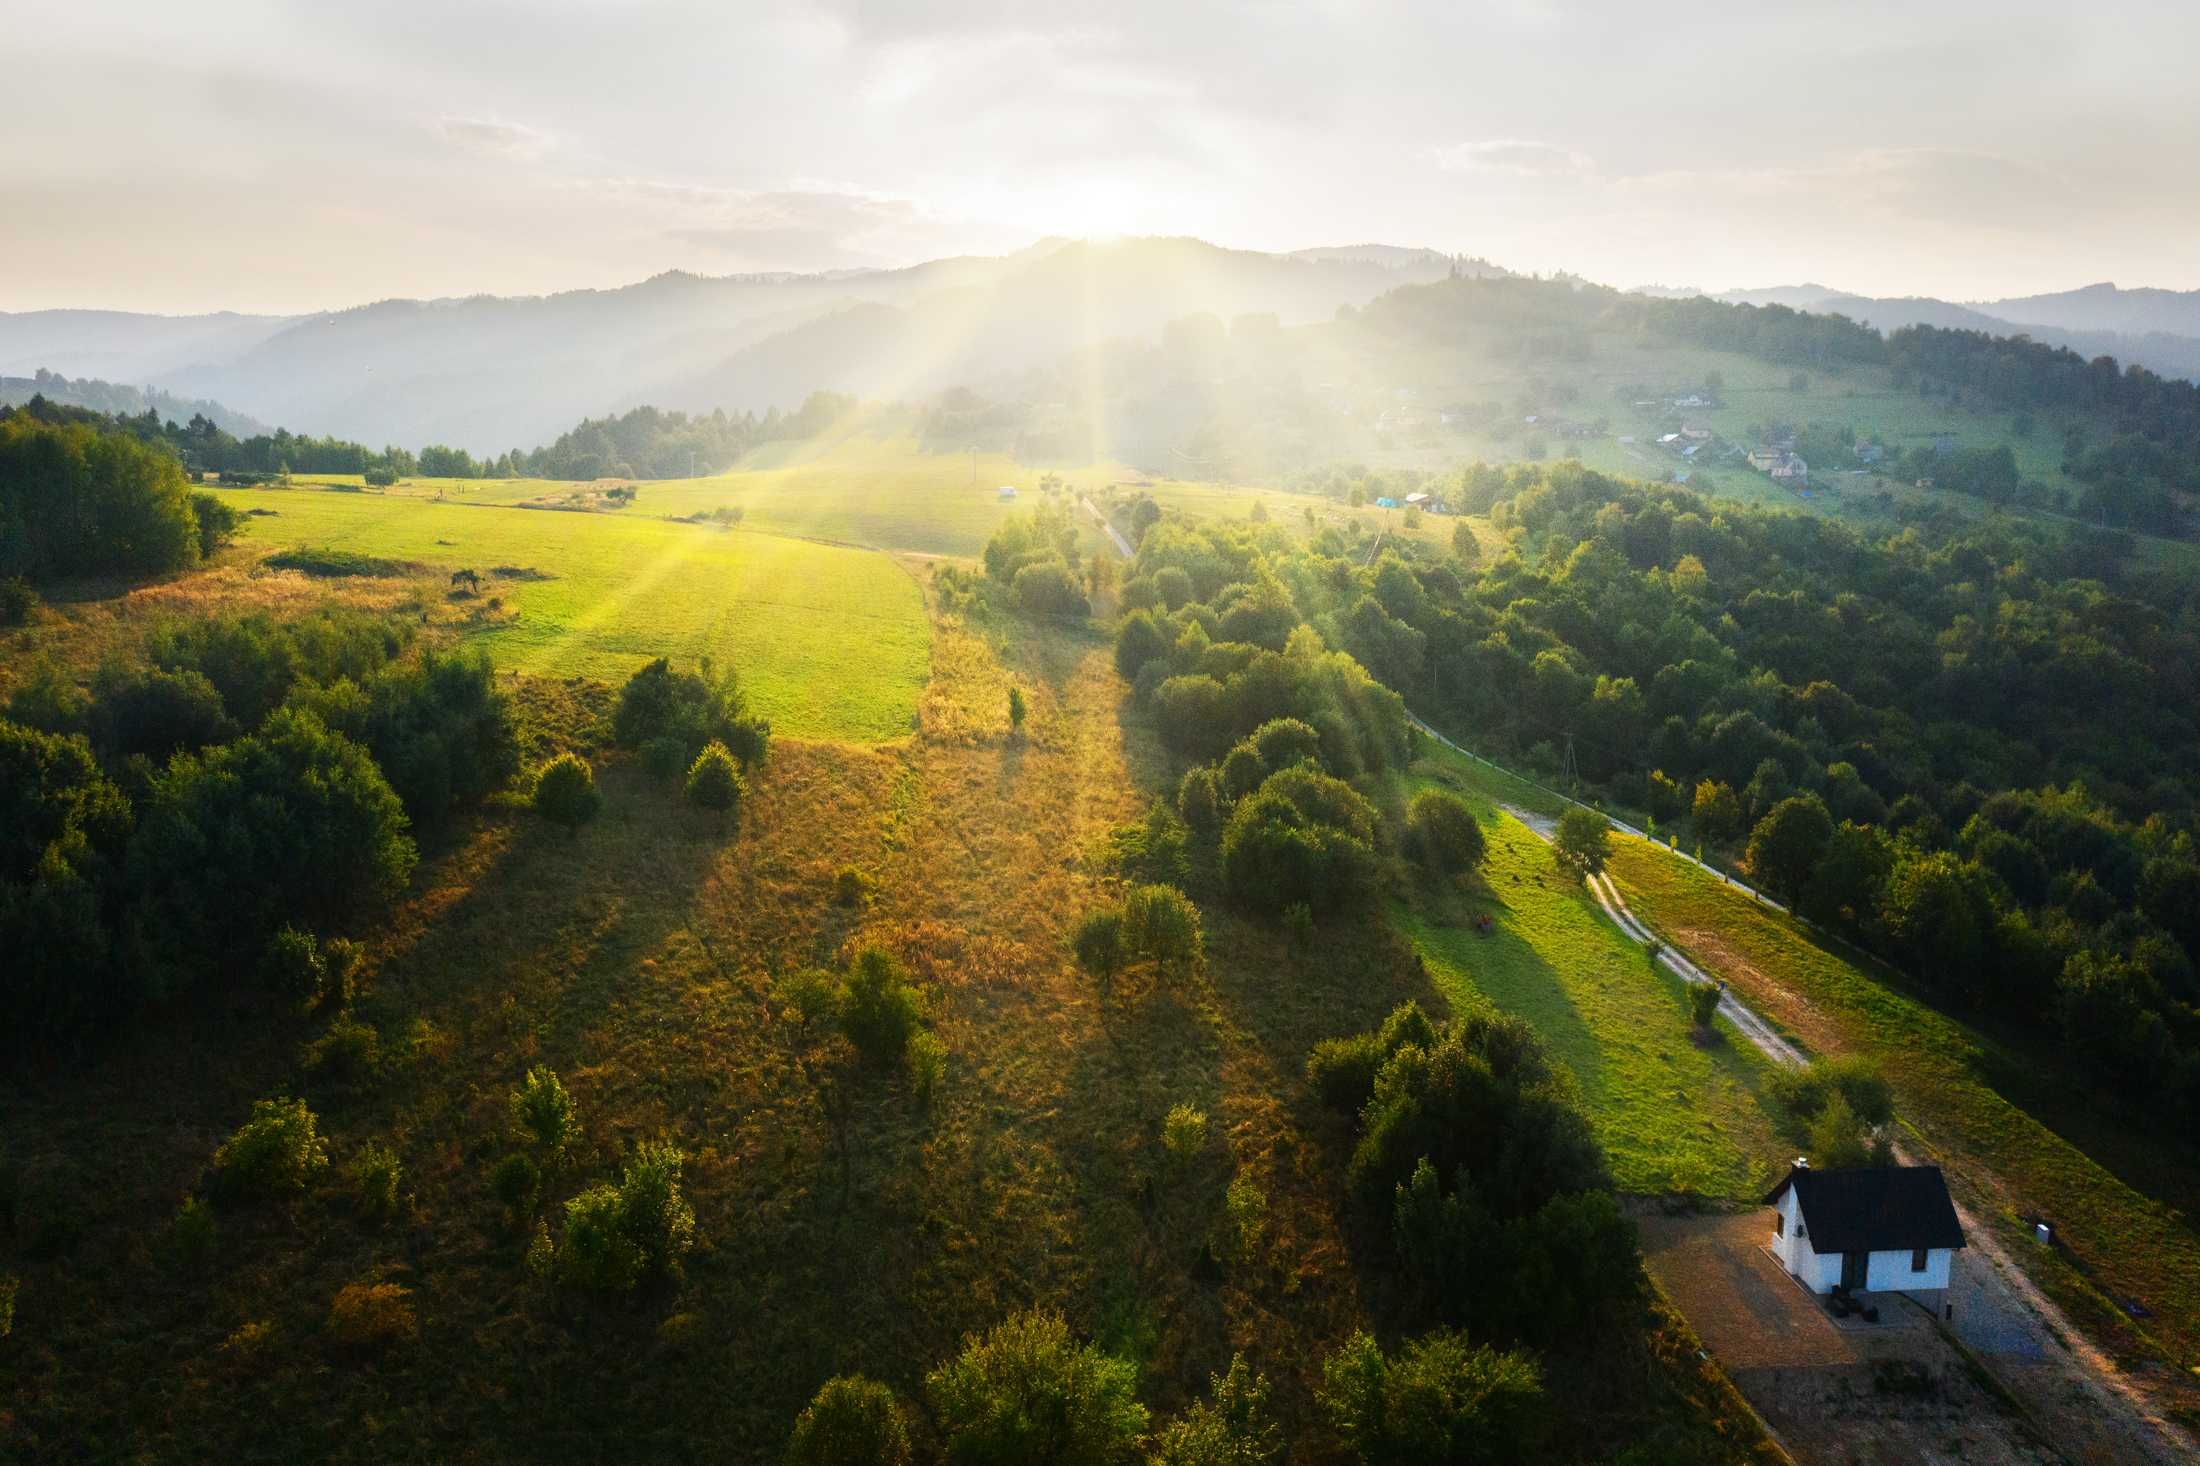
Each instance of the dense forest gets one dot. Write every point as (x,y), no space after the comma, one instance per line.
(1975,754)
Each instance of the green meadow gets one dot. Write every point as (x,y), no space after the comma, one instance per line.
(830,641)
(1675,1113)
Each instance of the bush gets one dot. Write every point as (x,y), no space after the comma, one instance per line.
(375,1174)
(1443,832)
(1231,1427)
(1098,943)
(1837,1139)
(342,960)
(275,1153)
(1298,924)
(193,1234)
(291,967)
(1198,801)
(9,1287)
(1183,1134)
(927,1065)
(543,1114)
(1855,1077)
(1304,837)
(440,729)
(1161,924)
(1245,1208)
(379,478)
(18,602)
(665,758)
(880,1011)
(714,781)
(616,1235)
(517,1181)
(1437,1402)
(1343,1070)
(1155,850)
(851,887)
(1703,1004)
(595,1254)
(372,1316)
(1025,1391)
(851,1421)
(216,522)
(1241,772)
(565,792)
(1138,640)
(693,708)
(348,1051)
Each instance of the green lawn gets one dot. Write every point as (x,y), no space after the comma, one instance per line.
(1990,1115)
(1674,1115)
(830,642)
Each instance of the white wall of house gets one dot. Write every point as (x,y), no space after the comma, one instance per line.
(1884,1272)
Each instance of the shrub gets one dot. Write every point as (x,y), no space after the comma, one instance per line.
(851,887)
(1343,1070)
(1703,1004)
(192,1235)
(1049,588)
(851,1421)
(714,781)
(1183,1134)
(18,602)
(1241,772)
(691,707)
(1199,802)
(565,792)
(1837,1139)
(1155,849)
(1016,709)
(1098,942)
(372,1316)
(1855,1077)
(1231,1427)
(1444,834)
(1282,742)
(292,968)
(10,1285)
(348,1051)
(1245,1208)
(543,1114)
(275,1153)
(1138,640)
(1438,1401)
(1161,924)
(665,758)
(1298,924)
(375,1174)
(517,1180)
(595,1254)
(379,478)
(1026,1391)
(927,1065)
(1305,836)
(342,960)
(216,522)
(880,1011)
(651,1209)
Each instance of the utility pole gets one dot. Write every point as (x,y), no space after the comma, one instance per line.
(1571,771)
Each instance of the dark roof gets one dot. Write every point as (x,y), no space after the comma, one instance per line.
(1874,1209)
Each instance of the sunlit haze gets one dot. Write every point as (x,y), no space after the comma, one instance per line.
(277,156)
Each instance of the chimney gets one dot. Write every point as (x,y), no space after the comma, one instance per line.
(1802,1163)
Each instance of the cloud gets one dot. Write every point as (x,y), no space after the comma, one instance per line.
(491,138)
(1517,158)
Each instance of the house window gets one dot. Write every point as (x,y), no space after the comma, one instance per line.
(1779,1224)
(1917,1260)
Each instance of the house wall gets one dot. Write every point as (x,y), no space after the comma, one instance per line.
(1884,1272)
(1889,1272)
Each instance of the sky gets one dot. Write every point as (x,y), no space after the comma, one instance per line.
(270,155)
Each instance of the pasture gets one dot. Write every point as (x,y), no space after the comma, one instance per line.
(1676,1113)
(830,642)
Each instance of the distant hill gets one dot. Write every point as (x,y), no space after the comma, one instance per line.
(111,397)
(489,373)
(2158,329)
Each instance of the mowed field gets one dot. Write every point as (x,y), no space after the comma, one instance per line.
(1676,1114)
(884,493)
(830,641)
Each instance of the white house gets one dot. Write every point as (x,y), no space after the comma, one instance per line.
(1008,491)
(1879,1229)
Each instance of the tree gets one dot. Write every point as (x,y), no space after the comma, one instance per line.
(79,498)
(1016,709)
(1198,801)
(1785,848)
(714,780)
(1584,839)
(565,792)
(1161,924)
(1837,1137)
(1025,1392)
(1443,833)
(851,1421)
(1138,641)
(1231,1427)
(1437,1402)
(693,707)
(1098,942)
(1717,811)
(879,1010)
(1466,547)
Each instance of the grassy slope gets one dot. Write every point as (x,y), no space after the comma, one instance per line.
(1953,1085)
(1674,1116)
(636,958)
(831,642)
